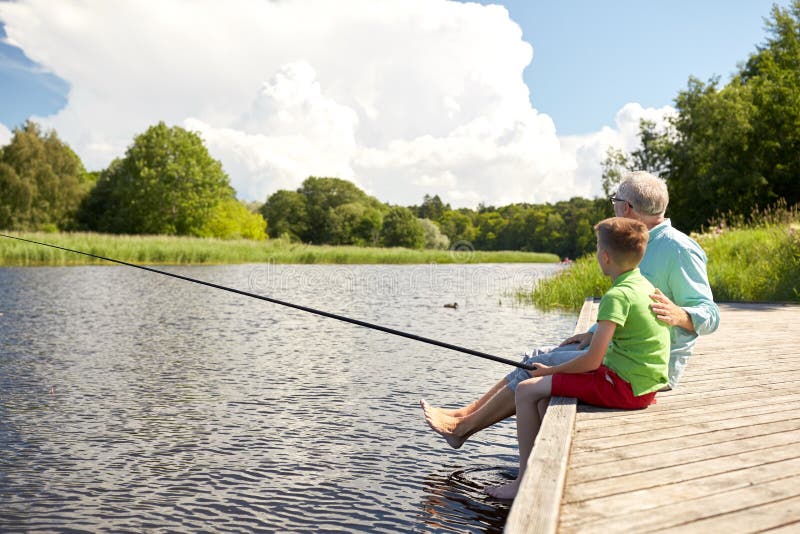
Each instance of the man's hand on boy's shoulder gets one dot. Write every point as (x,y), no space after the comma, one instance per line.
(670,313)
(582,340)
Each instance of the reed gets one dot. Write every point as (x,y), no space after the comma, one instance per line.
(569,287)
(754,264)
(169,250)
(753,259)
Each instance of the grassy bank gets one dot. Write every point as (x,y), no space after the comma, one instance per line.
(569,287)
(189,250)
(755,263)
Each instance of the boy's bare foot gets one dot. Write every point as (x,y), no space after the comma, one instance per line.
(505,491)
(443,424)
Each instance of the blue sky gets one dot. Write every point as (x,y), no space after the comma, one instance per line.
(591,57)
(25,88)
(403,97)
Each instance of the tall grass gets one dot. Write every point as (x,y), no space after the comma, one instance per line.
(569,287)
(189,250)
(758,260)
(754,259)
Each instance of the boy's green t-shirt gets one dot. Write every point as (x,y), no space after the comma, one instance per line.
(639,350)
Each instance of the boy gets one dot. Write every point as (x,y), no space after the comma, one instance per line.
(627,361)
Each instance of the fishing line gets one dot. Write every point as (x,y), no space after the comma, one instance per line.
(295,306)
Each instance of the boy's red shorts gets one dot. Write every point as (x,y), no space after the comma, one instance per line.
(601,387)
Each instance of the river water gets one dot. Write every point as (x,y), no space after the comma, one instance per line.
(131,401)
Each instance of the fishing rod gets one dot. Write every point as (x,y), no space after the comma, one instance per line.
(365,324)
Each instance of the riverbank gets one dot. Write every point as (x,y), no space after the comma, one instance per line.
(172,250)
(760,263)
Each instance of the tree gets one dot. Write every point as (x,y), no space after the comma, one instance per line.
(355,224)
(42,181)
(733,148)
(712,164)
(652,156)
(615,165)
(434,238)
(401,228)
(167,183)
(457,225)
(432,208)
(490,228)
(322,196)
(285,213)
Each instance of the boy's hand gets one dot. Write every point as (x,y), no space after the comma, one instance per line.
(541,370)
(583,340)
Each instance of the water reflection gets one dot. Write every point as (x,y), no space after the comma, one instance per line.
(174,407)
(455,500)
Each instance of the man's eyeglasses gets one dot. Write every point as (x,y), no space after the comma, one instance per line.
(614,198)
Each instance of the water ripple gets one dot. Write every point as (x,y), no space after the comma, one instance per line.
(133,403)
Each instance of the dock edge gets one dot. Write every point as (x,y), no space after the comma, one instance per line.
(538,502)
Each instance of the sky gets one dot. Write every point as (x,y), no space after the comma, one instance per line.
(491,102)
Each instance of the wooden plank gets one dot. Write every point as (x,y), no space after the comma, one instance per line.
(670,421)
(676,471)
(539,498)
(538,502)
(646,435)
(679,456)
(608,416)
(717,454)
(793,527)
(623,453)
(691,512)
(753,519)
(609,507)
(749,401)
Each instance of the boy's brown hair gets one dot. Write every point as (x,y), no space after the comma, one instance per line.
(624,239)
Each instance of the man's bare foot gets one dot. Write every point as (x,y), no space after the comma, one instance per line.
(505,491)
(444,424)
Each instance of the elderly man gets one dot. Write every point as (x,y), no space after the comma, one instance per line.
(674,263)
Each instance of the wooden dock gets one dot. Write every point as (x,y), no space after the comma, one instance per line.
(721,453)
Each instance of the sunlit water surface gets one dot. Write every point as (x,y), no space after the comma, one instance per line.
(131,401)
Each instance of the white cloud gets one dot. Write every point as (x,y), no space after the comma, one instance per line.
(290,131)
(584,153)
(404,97)
(5,134)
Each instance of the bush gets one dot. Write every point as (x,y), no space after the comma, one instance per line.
(232,220)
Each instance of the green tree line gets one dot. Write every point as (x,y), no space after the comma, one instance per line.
(731,149)
(335,211)
(166,183)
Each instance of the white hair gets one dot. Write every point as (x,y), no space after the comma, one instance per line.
(647,194)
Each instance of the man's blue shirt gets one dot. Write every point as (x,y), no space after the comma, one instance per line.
(675,264)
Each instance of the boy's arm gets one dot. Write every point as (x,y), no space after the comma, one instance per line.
(589,361)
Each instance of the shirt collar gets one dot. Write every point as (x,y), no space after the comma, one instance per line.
(660,228)
(633,273)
